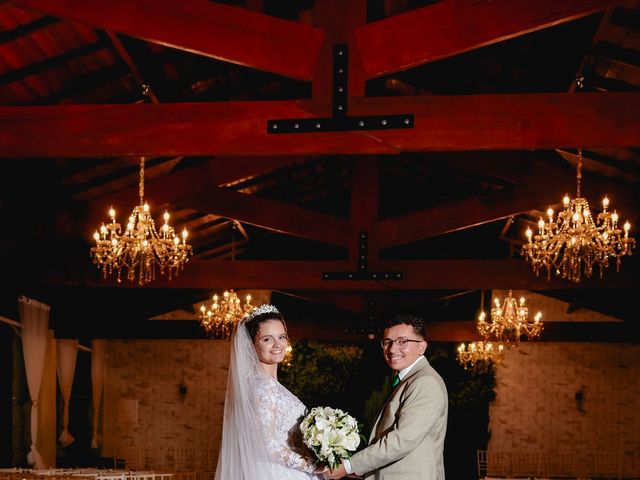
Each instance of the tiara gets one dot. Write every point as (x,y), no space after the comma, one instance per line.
(265,308)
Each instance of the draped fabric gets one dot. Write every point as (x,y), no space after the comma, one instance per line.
(67,355)
(97,380)
(34,317)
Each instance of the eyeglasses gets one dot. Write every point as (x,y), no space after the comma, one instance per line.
(402,342)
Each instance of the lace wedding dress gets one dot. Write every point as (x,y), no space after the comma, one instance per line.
(260,422)
(280,420)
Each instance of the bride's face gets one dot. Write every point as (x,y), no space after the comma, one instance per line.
(272,342)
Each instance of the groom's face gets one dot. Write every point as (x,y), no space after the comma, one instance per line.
(400,357)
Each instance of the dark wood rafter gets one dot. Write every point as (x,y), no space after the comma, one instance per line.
(471,122)
(126,57)
(26,29)
(52,62)
(426,275)
(364,205)
(215,30)
(339,29)
(465,331)
(450,27)
(184,183)
(272,215)
(346,302)
(81,84)
(541,189)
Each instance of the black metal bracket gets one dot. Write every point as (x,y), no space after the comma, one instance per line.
(362,273)
(340,121)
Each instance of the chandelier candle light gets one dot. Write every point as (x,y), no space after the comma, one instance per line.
(509,321)
(224,314)
(479,354)
(141,247)
(574,241)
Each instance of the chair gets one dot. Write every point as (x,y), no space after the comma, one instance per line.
(560,465)
(183,461)
(498,464)
(132,456)
(606,465)
(481,459)
(631,464)
(525,465)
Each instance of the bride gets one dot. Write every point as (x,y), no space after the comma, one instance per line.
(260,436)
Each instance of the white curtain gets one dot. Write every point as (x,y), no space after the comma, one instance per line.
(97,379)
(34,317)
(67,355)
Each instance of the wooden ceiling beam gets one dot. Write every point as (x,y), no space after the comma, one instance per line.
(418,275)
(188,181)
(545,186)
(465,331)
(214,30)
(449,27)
(272,215)
(437,331)
(365,199)
(339,29)
(442,123)
(461,214)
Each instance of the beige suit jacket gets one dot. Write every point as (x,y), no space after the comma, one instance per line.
(407,440)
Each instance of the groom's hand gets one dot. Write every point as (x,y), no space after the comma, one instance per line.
(337,473)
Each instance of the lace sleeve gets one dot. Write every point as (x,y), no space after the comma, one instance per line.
(276,437)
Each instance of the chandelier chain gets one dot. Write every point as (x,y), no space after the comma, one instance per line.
(579,173)
(233,240)
(141,182)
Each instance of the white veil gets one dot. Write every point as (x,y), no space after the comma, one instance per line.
(243,451)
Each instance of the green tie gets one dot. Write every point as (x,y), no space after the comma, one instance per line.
(395,381)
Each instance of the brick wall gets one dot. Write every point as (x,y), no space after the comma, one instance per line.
(568,397)
(577,399)
(146,418)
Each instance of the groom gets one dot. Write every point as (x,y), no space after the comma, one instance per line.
(408,437)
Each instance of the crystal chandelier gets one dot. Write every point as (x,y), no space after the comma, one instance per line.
(509,321)
(224,314)
(479,355)
(574,242)
(141,248)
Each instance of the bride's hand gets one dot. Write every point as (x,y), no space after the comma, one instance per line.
(320,470)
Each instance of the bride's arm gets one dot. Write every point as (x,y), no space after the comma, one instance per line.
(267,401)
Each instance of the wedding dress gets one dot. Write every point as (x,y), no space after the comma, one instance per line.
(260,425)
(282,412)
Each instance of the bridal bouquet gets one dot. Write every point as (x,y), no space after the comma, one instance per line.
(330,434)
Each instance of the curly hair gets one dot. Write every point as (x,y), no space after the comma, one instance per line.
(416,323)
(253,322)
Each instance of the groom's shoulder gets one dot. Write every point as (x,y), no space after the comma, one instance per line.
(425,373)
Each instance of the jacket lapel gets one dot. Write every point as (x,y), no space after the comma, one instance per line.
(416,368)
